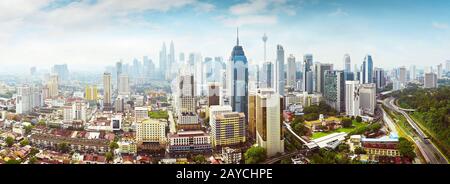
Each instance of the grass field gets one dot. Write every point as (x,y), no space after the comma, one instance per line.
(355,125)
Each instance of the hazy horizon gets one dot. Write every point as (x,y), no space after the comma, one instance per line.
(90,35)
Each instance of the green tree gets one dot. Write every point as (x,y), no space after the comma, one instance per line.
(28,129)
(63,147)
(109,156)
(255,155)
(113,146)
(286,161)
(199,159)
(12,161)
(359,150)
(406,148)
(32,160)
(346,122)
(9,141)
(24,142)
(343,148)
(358,119)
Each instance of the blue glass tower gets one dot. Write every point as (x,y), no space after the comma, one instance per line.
(239,79)
(367,70)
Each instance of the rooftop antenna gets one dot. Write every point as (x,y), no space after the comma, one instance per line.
(264,38)
(237,33)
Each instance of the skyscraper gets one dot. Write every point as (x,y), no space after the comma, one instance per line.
(380,81)
(447,66)
(430,80)
(347,63)
(402,75)
(163,61)
(291,71)
(23,100)
(62,71)
(412,73)
(334,90)
(266,76)
(238,78)
(352,98)
(107,89)
(347,67)
(367,70)
(320,69)
(91,93)
(307,73)
(264,39)
(439,71)
(367,98)
(53,86)
(279,69)
(119,71)
(269,134)
(124,88)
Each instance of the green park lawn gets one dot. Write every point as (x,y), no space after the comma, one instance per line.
(355,125)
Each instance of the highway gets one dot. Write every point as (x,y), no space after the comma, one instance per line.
(428,149)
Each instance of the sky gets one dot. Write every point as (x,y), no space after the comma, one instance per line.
(90,34)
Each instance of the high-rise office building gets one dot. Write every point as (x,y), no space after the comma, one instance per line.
(402,75)
(213,93)
(367,98)
(352,98)
(53,86)
(380,80)
(228,129)
(307,73)
(186,96)
(24,100)
(279,69)
(334,89)
(430,80)
(367,70)
(124,88)
(62,71)
(251,119)
(163,61)
(320,69)
(347,67)
(79,111)
(171,57)
(347,63)
(269,134)
(440,71)
(266,75)
(107,90)
(447,66)
(119,71)
(291,71)
(238,79)
(412,73)
(91,93)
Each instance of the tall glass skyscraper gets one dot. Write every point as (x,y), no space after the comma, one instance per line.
(367,70)
(279,65)
(307,73)
(238,79)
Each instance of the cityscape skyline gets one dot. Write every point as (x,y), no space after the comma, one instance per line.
(44,33)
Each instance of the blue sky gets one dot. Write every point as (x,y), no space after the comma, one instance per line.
(101,32)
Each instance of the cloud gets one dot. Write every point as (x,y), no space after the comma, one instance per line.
(259,12)
(338,13)
(440,25)
(249,20)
